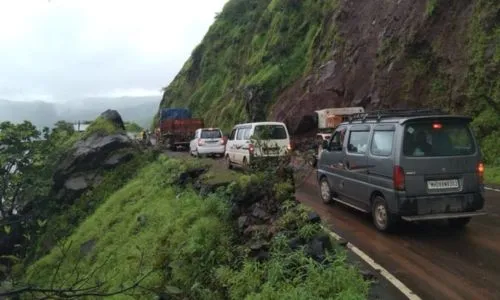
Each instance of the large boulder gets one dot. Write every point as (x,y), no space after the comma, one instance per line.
(114,117)
(82,166)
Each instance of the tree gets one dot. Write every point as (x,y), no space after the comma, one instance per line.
(64,126)
(132,127)
(20,159)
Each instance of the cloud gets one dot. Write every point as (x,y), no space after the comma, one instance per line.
(66,49)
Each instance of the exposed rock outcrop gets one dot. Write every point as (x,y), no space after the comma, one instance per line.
(82,167)
(114,117)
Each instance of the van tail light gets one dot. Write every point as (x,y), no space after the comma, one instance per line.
(398,178)
(437,126)
(251,148)
(201,142)
(289,147)
(480,172)
(222,141)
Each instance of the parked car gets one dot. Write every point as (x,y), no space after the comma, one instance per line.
(402,164)
(207,142)
(253,141)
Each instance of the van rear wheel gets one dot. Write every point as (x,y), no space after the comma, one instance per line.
(458,222)
(382,218)
(326,192)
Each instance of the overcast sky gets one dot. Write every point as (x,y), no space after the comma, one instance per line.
(60,50)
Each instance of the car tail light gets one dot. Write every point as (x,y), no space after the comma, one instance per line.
(480,172)
(289,147)
(398,178)
(251,148)
(222,141)
(201,142)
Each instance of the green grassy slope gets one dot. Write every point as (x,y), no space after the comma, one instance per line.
(189,245)
(254,46)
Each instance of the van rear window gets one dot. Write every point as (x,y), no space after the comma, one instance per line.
(211,134)
(438,139)
(270,132)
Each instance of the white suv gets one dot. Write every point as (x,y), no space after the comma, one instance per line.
(256,140)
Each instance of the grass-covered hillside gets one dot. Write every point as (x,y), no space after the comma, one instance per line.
(283,59)
(155,236)
(254,49)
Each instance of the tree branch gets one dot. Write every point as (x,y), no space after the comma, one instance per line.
(76,288)
(72,293)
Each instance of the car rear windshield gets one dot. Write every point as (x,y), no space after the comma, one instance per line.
(270,132)
(438,139)
(211,134)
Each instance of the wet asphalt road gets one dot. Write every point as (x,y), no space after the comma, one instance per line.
(433,260)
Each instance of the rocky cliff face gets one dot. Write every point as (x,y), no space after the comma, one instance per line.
(283,59)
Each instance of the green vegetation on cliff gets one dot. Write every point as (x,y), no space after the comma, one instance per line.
(175,242)
(254,50)
(484,77)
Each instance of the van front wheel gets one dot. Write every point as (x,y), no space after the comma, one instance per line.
(382,218)
(459,222)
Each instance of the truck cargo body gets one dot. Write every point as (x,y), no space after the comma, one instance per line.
(332,117)
(175,113)
(178,132)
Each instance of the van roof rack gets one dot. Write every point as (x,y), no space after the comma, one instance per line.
(394,113)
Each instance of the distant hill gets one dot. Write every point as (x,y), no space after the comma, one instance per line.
(135,109)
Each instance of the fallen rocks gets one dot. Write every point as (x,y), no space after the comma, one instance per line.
(295,243)
(317,247)
(190,175)
(368,275)
(313,217)
(259,213)
(76,184)
(242,222)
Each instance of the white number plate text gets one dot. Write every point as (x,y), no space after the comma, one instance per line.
(442,184)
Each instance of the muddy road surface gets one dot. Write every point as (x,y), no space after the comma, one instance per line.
(433,260)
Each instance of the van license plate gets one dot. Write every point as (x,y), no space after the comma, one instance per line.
(442,184)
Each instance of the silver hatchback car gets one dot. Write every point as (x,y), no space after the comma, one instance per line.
(414,165)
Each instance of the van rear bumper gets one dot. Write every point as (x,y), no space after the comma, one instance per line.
(439,204)
(443,216)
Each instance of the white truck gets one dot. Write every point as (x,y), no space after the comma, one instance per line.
(328,120)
